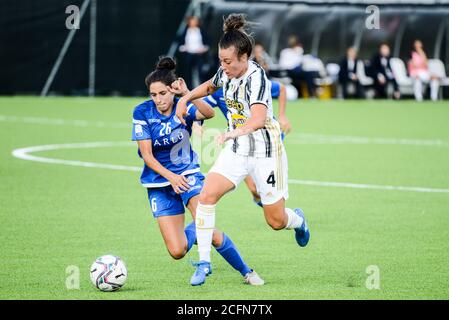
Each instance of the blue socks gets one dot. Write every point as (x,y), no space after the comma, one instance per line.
(227,250)
(230,253)
(190,235)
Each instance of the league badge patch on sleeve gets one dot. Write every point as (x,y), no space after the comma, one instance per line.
(138,130)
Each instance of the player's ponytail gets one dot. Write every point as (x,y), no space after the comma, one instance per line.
(236,35)
(165,72)
(166,63)
(234,21)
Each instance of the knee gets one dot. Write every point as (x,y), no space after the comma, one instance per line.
(177,253)
(217,238)
(276,224)
(207,197)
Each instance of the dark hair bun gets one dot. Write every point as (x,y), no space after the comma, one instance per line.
(166,63)
(235,21)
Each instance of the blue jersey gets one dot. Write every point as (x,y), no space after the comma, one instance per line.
(170,141)
(216,100)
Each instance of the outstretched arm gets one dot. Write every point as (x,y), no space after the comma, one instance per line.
(205,111)
(201,91)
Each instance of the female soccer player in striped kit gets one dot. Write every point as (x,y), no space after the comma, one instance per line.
(253,143)
(216,100)
(171,172)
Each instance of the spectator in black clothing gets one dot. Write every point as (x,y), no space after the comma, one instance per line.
(194,44)
(348,74)
(382,73)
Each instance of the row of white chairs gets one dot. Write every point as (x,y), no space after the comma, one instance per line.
(405,83)
(329,74)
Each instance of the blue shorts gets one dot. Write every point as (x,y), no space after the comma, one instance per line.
(166,202)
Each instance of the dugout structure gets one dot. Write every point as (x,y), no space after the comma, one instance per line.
(112,55)
(327,28)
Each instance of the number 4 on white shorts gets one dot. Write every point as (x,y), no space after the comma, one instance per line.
(271,179)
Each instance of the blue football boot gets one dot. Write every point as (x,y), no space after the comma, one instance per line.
(302,234)
(203,269)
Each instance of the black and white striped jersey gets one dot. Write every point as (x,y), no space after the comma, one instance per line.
(239,94)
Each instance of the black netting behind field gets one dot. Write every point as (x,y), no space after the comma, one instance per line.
(130,37)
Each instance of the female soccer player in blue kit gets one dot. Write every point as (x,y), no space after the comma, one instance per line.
(171,172)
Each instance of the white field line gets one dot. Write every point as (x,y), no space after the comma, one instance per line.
(300,138)
(65,122)
(311,138)
(24,153)
(366,186)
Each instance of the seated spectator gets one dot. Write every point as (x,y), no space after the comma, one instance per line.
(262,58)
(291,59)
(348,74)
(419,71)
(382,73)
(193,43)
(278,90)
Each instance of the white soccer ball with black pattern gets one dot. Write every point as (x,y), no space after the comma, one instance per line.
(108,273)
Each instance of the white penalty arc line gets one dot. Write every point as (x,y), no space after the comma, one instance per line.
(24,154)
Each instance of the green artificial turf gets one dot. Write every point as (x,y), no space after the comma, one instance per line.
(54,216)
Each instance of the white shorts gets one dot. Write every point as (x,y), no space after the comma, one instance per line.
(269,174)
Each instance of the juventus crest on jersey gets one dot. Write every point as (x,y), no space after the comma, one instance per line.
(239,94)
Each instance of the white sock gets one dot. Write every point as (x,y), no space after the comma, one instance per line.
(204,224)
(294,221)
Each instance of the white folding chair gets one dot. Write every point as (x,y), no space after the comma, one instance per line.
(363,78)
(437,69)
(332,70)
(404,82)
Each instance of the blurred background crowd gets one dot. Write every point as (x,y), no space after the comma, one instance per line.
(318,49)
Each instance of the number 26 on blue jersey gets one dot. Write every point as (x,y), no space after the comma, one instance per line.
(166,129)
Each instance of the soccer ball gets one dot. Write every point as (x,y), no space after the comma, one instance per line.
(108,273)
